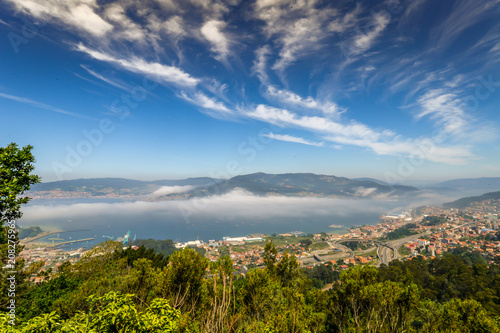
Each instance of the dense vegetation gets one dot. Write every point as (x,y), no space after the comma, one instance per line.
(93,185)
(165,247)
(402,232)
(29,232)
(355,245)
(115,290)
(430,221)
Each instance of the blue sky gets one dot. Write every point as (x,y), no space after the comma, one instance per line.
(165,89)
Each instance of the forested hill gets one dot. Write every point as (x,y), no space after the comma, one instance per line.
(491,183)
(467,202)
(301,184)
(289,184)
(118,184)
(112,289)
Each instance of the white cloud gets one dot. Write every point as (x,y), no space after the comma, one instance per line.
(289,98)
(157,71)
(237,204)
(39,105)
(260,64)
(105,79)
(78,14)
(174,27)
(381,142)
(5,23)
(445,108)
(164,190)
(463,15)
(215,108)
(283,117)
(212,31)
(345,22)
(125,28)
(297,25)
(364,192)
(448,110)
(418,150)
(363,41)
(290,138)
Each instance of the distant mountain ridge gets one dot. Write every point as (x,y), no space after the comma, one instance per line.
(119,183)
(493,183)
(466,202)
(263,184)
(298,184)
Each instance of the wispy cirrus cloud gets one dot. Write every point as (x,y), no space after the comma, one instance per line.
(39,105)
(382,142)
(298,26)
(420,149)
(445,108)
(210,105)
(259,67)
(291,99)
(5,23)
(169,39)
(364,40)
(317,124)
(109,81)
(162,73)
(294,139)
(463,15)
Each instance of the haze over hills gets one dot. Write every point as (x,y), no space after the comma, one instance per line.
(472,185)
(117,186)
(262,184)
(118,183)
(466,202)
(299,184)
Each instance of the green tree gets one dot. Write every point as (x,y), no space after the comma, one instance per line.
(16,166)
(112,312)
(221,315)
(362,304)
(306,243)
(457,316)
(182,280)
(270,254)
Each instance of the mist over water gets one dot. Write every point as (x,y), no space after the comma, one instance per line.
(238,213)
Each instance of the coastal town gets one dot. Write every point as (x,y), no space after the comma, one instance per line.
(424,233)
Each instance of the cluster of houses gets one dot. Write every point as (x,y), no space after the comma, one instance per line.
(467,236)
(462,228)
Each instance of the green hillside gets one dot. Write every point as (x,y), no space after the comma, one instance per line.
(466,202)
(301,184)
(116,290)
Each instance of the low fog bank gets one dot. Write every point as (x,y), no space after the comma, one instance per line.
(164,190)
(229,214)
(239,203)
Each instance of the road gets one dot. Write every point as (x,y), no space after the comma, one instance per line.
(387,255)
(386,251)
(345,252)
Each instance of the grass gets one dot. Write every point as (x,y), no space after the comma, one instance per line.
(319,246)
(328,253)
(372,254)
(283,240)
(403,250)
